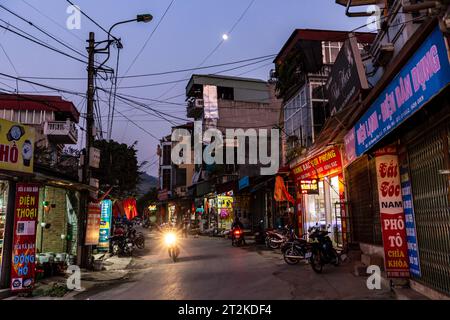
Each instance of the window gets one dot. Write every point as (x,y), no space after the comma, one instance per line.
(225,93)
(296,114)
(166,179)
(181,177)
(166,155)
(330,51)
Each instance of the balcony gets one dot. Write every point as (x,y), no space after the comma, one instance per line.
(61,132)
(195,108)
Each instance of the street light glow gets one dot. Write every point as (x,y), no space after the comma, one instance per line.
(225,37)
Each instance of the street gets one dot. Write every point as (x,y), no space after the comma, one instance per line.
(210,269)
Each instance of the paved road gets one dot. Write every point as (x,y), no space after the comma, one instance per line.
(210,268)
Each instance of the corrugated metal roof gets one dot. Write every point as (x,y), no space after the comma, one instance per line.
(38,102)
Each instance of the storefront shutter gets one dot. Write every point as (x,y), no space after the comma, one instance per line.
(364,215)
(431,206)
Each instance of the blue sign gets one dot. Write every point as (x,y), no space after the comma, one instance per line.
(244,182)
(408,208)
(423,76)
(105,225)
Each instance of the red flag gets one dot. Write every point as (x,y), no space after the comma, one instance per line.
(129,206)
(281,193)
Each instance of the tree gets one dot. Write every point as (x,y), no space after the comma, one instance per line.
(118,168)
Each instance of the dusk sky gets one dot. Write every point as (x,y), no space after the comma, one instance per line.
(189,32)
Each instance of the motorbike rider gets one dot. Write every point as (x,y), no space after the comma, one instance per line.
(237,224)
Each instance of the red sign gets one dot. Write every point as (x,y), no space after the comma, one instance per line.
(325,164)
(93,225)
(24,244)
(392,214)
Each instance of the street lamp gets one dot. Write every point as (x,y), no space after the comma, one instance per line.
(139,18)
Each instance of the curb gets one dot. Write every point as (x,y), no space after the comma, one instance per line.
(5,293)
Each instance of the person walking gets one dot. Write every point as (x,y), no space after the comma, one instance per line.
(186,223)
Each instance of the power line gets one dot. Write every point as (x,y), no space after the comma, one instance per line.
(43,45)
(187,79)
(150,36)
(218,45)
(53,21)
(158,73)
(92,20)
(43,31)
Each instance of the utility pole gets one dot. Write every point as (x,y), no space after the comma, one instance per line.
(86,251)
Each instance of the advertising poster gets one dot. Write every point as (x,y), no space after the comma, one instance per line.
(93,225)
(24,243)
(16,147)
(391,212)
(105,225)
(411,235)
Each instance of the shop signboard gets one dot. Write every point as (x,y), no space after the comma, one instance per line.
(425,74)
(325,164)
(93,225)
(392,216)
(408,208)
(244,182)
(24,241)
(347,76)
(105,225)
(16,147)
(310,186)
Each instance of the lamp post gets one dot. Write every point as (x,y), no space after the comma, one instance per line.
(139,18)
(92,69)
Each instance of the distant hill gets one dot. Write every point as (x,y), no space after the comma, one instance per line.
(147,182)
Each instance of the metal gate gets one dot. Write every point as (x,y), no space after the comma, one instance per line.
(431,205)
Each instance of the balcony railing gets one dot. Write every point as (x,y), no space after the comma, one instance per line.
(61,132)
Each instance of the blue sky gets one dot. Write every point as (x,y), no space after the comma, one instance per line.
(188,33)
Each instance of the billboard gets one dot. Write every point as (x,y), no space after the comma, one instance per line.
(24,241)
(16,147)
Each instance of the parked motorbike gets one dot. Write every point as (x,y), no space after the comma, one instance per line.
(322,249)
(121,245)
(276,238)
(171,241)
(237,237)
(296,249)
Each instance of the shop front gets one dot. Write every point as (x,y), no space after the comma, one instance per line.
(410,115)
(320,193)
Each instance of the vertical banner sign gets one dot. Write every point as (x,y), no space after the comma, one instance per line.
(391,213)
(24,244)
(93,225)
(411,235)
(105,225)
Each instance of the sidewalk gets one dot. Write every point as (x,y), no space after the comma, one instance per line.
(55,288)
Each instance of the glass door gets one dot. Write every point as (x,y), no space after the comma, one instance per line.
(336,221)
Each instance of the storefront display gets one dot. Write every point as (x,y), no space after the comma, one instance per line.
(320,193)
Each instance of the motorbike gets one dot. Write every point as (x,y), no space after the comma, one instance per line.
(322,249)
(237,237)
(296,249)
(121,245)
(171,241)
(260,236)
(276,238)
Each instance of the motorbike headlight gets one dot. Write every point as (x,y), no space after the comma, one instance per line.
(170,239)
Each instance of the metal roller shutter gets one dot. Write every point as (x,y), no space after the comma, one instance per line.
(431,205)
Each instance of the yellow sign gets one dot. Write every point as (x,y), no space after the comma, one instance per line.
(16,147)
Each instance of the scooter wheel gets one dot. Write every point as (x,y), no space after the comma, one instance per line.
(291,252)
